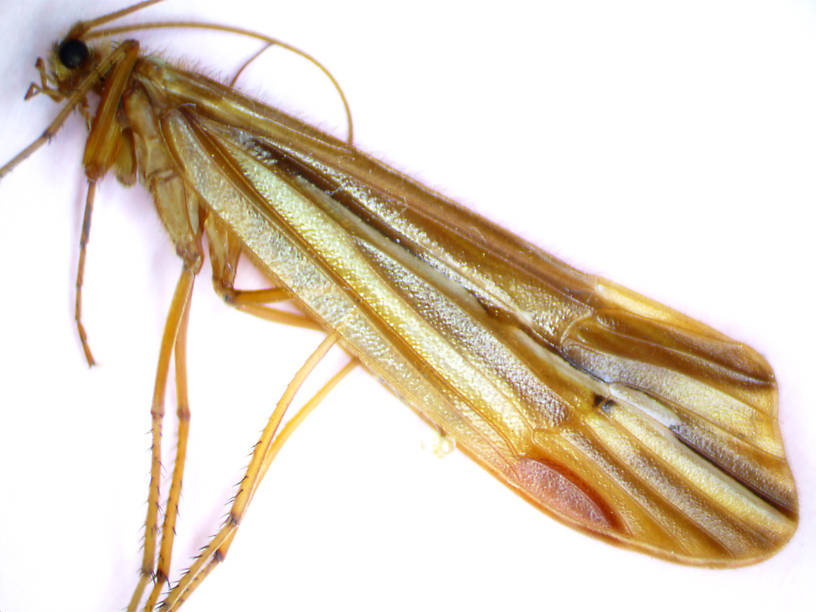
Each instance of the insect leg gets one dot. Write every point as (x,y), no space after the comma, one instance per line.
(263,454)
(101,152)
(45,84)
(56,95)
(273,314)
(80,277)
(173,325)
(299,417)
(224,254)
(284,435)
(255,302)
(181,214)
(76,98)
(246,297)
(168,529)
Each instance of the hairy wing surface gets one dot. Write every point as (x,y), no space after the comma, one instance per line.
(618,415)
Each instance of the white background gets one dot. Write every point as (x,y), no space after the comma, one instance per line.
(670,146)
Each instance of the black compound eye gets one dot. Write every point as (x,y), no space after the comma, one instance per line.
(73,52)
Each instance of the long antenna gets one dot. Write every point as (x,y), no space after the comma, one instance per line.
(83,26)
(195,25)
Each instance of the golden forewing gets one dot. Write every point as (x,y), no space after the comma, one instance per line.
(616,414)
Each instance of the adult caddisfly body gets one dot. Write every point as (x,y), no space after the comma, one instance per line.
(619,416)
